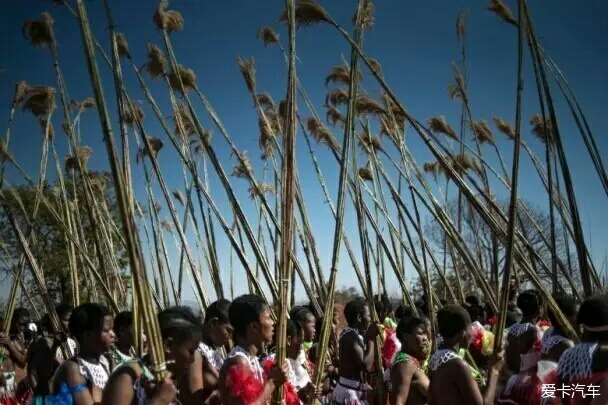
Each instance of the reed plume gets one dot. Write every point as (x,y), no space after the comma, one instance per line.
(182,116)
(155,66)
(308,13)
(542,128)
(244,169)
(268,36)
(179,197)
(501,10)
(133,114)
(266,102)
(333,116)
(321,134)
(259,189)
(439,125)
(481,131)
(366,17)
(39,100)
(370,144)
(82,156)
(336,97)
(365,105)
(504,127)
(247,69)
(187,76)
(340,75)
(122,44)
(366,173)
(169,20)
(461,26)
(39,32)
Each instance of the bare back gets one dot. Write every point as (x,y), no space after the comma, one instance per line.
(452,383)
(352,353)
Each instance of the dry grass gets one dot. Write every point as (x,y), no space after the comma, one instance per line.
(336,97)
(39,100)
(440,125)
(262,188)
(367,16)
(268,36)
(187,76)
(366,173)
(247,69)
(504,127)
(71,161)
(122,44)
(365,105)
(321,134)
(481,131)
(155,65)
(245,169)
(501,10)
(266,102)
(333,116)
(370,144)
(308,12)
(133,114)
(187,122)
(39,32)
(179,197)
(542,128)
(169,20)
(341,75)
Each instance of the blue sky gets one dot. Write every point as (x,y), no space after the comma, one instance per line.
(414,41)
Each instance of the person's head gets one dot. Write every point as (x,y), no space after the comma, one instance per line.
(403,311)
(295,337)
(91,326)
(250,317)
(514,315)
(357,315)
(181,332)
(422,306)
(307,320)
(593,319)
(63,313)
(21,318)
(411,332)
(454,322)
(123,328)
(476,313)
(472,300)
(217,322)
(566,304)
(383,306)
(531,304)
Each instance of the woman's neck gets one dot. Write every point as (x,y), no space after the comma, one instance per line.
(90,355)
(455,346)
(250,347)
(207,338)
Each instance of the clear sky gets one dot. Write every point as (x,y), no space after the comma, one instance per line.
(414,41)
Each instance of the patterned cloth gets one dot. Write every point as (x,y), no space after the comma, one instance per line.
(550,340)
(96,375)
(349,392)
(213,356)
(254,363)
(72,350)
(575,368)
(441,357)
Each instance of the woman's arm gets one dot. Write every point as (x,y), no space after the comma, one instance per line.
(401,379)
(195,379)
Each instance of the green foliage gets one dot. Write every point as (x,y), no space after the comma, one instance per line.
(50,244)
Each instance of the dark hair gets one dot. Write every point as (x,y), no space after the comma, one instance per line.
(566,304)
(403,311)
(472,300)
(382,304)
(353,309)
(513,315)
(63,310)
(475,312)
(594,313)
(123,320)
(86,318)
(301,314)
(218,310)
(407,325)
(244,311)
(530,302)
(294,329)
(179,323)
(452,319)
(18,313)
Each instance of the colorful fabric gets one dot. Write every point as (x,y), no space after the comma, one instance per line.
(390,347)
(213,356)
(72,350)
(389,323)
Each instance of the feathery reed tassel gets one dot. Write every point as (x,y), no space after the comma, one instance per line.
(268,36)
(38,32)
(308,12)
(333,116)
(155,66)
(542,128)
(122,44)
(188,78)
(439,125)
(504,127)
(169,20)
(336,97)
(321,134)
(340,75)
(501,10)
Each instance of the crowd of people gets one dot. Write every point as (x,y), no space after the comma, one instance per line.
(227,356)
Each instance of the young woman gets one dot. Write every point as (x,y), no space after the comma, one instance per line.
(298,387)
(132,384)
(356,357)
(451,381)
(408,382)
(84,376)
(217,332)
(242,379)
(586,364)
(120,352)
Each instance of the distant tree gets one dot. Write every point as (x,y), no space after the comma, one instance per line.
(50,244)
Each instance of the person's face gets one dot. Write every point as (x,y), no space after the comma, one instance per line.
(65,320)
(107,334)
(365,319)
(182,352)
(418,342)
(266,326)
(428,330)
(221,333)
(294,344)
(310,329)
(22,323)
